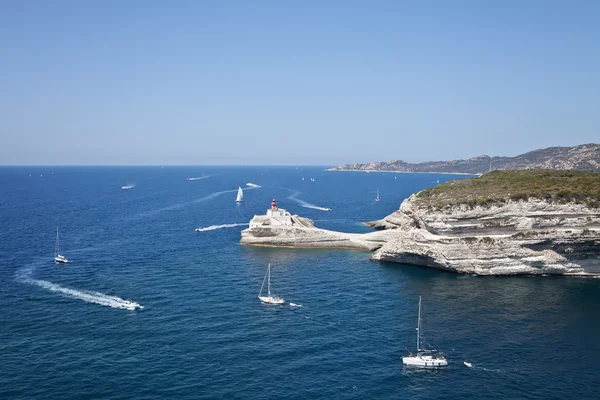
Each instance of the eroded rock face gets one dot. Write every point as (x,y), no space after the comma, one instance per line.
(303,233)
(514,237)
(521,237)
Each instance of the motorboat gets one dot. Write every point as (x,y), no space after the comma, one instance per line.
(132,305)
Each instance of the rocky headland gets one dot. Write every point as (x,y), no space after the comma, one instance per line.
(502,223)
(301,232)
(585,157)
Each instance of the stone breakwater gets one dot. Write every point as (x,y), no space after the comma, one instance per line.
(520,237)
(514,237)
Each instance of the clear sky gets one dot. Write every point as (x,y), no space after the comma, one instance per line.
(294,82)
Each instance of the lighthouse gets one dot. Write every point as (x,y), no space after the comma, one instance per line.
(275,216)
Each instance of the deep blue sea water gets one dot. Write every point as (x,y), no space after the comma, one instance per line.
(204,334)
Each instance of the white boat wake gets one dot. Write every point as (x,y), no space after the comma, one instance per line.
(181,205)
(213,227)
(128,186)
(24,276)
(305,204)
(254,185)
(198,178)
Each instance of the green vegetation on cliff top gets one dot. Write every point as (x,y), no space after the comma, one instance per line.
(521,185)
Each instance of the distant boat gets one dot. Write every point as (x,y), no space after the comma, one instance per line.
(57,257)
(468,364)
(132,305)
(240,195)
(377,198)
(270,298)
(127,186)
(424,358)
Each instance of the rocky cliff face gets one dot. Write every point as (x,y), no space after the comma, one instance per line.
(585,157)
(512,237)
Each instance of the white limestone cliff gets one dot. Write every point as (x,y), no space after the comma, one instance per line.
(512,237)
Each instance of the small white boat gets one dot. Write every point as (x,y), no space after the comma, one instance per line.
(240,195)
(270,298)
(57,257)
(132,305)
(377,198)
(468,364)
(127,186)
(424,358)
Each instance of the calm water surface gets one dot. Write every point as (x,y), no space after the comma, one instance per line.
(204,334)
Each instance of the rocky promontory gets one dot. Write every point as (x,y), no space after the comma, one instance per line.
(502,223)
(294,231)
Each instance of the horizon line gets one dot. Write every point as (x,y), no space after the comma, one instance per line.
(165,165)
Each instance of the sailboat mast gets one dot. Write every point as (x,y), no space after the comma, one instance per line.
(57,249)
(419,327)
(269,284)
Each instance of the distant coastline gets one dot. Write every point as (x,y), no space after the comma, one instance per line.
(402,172)
(585,157)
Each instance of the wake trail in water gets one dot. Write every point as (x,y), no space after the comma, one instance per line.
(214,227)
(500,371)
(24,276)
(198,178)
(306,204)
(187,203)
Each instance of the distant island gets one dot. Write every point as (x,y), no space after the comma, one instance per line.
(585,157)
(533,222)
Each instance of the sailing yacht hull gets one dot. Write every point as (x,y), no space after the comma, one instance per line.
(271,300)
(419,362)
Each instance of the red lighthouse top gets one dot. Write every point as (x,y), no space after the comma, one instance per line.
(273,205)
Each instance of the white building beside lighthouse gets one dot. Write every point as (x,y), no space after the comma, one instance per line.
(274,217)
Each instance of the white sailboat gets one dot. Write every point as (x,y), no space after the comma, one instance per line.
(240,195)
(270,298)
(424,358)
(377,198)
(57,257)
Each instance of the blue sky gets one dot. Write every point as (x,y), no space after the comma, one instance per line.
(283,82)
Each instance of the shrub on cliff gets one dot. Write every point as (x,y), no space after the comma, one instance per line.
(496,187)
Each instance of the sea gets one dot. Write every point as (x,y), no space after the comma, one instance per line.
(130,234)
